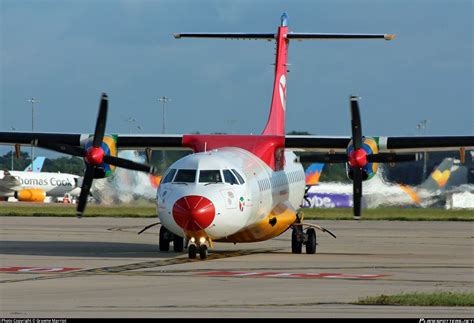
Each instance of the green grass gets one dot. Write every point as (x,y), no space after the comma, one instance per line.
(391,214)
(148,210)
(142,210)
(421,299)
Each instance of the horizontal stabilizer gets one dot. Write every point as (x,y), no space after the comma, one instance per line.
(264,36)
(302,36)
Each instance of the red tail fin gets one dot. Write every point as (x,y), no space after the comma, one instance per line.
(276,120)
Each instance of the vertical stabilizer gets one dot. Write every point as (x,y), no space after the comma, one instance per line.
(37,165)
(276,120)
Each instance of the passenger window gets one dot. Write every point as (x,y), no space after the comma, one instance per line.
(241,180)
(229,177)
(210,176)
(169,177)
(185,176)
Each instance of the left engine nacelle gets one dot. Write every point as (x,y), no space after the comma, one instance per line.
(109,146)
(30,195)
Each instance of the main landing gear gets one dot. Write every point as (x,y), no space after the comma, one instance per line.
(299,237)
(166,237)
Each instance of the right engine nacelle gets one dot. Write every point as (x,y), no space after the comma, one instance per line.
(370,169)
(30,195)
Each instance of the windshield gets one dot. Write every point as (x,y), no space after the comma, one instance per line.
(185,176)
(210,176)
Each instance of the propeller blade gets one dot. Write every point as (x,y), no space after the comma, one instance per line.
(356,124)
(392,158)
(101,120)
(323,158)
(357,192)
(128,164)
(63,148)
(86,186)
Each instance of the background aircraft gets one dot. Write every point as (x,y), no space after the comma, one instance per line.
(35,186)
(240,188)
(445,179)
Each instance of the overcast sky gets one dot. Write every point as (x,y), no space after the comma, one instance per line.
(65,53)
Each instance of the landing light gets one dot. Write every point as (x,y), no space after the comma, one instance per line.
(193,240)
(202,240)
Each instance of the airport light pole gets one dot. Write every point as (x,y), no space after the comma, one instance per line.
(421,126)
(164,100)
(13,147)
(131,120)
(33,101)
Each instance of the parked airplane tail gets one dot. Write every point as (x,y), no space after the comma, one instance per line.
(37,165)
(313,173)
(439,177)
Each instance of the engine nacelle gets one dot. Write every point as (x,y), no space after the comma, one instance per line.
(369,145)
(30,195)
(109,146)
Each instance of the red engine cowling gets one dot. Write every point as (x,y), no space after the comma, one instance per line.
(30,195)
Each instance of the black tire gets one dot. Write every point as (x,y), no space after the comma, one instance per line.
(296,244)
(192,251)
(178,243)
(311,241)
(203,252)
(164,242)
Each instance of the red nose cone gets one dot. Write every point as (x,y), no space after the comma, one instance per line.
(193,212)
(358,158)
(95,155)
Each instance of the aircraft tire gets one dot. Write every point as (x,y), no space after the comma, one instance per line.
(164,243)
(178,243)
(192,251)
(296,243)
(311,241)
(203,252)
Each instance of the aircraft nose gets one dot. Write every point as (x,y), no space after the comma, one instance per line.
(194,212)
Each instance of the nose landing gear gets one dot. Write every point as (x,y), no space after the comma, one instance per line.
(196,247)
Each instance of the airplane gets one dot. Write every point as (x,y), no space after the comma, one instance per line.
(240,188)
(36,166)
(448,175)
(28,186)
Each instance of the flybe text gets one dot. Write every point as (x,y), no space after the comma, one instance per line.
(45,181)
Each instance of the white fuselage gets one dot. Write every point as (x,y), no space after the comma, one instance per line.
(238,205)
(53,184)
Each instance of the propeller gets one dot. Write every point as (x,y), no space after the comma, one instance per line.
(357,158)
(94,156)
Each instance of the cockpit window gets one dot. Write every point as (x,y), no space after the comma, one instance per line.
(185,176)
(229,177)
(210,176)
(241,180)
(169,177)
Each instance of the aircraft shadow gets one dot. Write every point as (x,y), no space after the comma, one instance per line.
(84,249)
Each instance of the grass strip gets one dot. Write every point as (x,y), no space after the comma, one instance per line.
(421,299)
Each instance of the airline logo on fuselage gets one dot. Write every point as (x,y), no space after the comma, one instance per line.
(283,91)
(45,181)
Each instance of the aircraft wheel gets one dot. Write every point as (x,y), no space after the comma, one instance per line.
(164,242)
(311,241)
(296,243)
(203,251)
(178,243)
(192,251)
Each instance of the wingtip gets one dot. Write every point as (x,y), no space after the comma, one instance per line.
(177,35)
(389,36)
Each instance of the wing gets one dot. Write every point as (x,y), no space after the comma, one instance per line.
(385,144)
